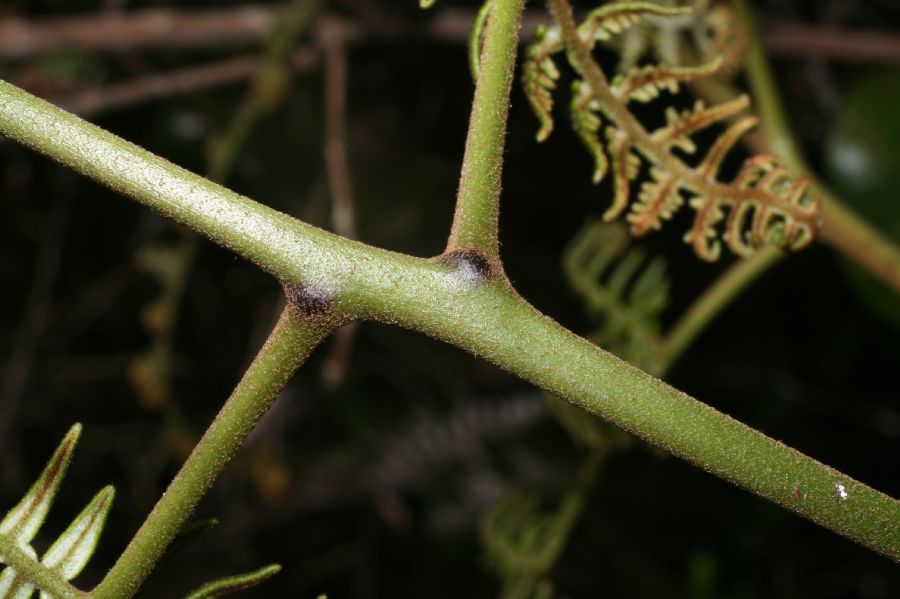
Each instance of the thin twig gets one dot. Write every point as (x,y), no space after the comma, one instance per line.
(340,184)
(21,359)
(176,82)
(168,29)
(822,41)
(152,370)
(134,30)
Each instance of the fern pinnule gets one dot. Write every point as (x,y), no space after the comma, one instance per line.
(763,204)
(539,76)
(540,73)
(72,550)
(708,30)
(231,584)
(621,288)
(644,84)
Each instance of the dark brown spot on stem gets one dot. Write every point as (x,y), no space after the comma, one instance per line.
(471,263)
(309,302)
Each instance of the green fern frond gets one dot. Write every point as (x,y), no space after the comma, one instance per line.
(625,167)
(231,584)
(476,38)
(586,121)
(522,543)
(707,31)
(609,20)
(515,532)
(72,550)
(622,289)
(762,210)
(539,76)
(658,200)
(644,84)
(680,126)
(539,71)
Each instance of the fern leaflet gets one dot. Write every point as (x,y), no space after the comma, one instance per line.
(70,553)
(764,205)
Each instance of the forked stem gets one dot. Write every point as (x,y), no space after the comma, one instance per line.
(450,300)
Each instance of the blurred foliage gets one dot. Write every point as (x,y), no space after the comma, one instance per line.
(862,156)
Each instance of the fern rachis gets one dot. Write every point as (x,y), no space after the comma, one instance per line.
(782,212)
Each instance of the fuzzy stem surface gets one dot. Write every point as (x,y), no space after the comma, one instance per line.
(476,218)
(291,341)
(26,566)
(460,303)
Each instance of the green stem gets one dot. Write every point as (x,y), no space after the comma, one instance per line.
(572,504)
(454,304)
(478,201)
(287,347)
(714,300)
(269,86)
(491,322)
(843,228)
(28,568)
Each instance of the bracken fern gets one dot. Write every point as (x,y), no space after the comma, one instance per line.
(764,204)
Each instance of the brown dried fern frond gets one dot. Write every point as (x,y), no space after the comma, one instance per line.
(763,204)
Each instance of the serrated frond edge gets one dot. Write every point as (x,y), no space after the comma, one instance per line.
(787,219)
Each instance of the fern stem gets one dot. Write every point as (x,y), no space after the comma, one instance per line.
(291,341)
(713,301)
(843,228)
(32,570)
(476,218)
(453,302)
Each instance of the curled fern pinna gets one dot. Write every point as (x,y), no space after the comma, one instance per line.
(764,205)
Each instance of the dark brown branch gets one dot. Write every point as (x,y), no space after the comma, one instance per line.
(160,29)
(814,41)
(17,370)
(248,25)
(337,167)
(172,83)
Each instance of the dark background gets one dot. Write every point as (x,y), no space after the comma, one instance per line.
(349,486)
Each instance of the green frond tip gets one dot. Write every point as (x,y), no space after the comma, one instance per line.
(72,550)
(614,18)
(23,521)
(539,75)
(643,84)
(517,536)
(230,584)
(625,167)
(586,122)
(476,38)
(624,290)
(426,3)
